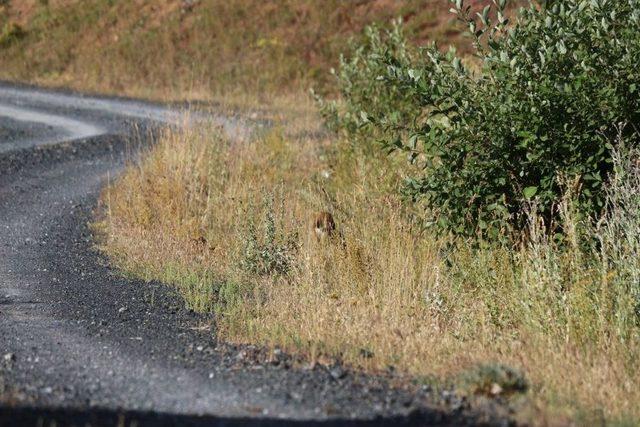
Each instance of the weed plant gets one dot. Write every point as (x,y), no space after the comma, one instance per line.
(561,313)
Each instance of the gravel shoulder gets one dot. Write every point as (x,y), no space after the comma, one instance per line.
(81,344)
(16,134)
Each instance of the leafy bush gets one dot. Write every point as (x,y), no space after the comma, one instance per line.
(549,92)
(362,86)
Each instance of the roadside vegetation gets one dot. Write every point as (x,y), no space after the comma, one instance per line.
(229,224)
(486,198)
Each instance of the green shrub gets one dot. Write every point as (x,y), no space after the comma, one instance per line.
(541,109)
(362,86)
(10,33)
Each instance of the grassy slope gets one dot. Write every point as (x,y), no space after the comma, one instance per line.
(173,48)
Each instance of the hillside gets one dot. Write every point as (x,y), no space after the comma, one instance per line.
(178,48)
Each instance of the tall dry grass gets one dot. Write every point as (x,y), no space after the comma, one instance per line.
(228,223)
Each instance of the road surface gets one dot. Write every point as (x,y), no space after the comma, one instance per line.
(79,343)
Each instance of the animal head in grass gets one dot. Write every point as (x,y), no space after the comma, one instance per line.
(324,226)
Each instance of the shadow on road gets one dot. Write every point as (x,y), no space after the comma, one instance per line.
(28,416)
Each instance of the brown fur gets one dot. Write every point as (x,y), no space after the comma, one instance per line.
(324,226)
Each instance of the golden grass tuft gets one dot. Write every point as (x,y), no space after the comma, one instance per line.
(228,223)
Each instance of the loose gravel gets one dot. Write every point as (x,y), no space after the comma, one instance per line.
(80,344)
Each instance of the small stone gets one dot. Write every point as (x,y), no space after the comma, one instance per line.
(9,357)
(275,357)
(337,373)
(447,396)
(295,396)
(122,309)
(456,403)
(496,389)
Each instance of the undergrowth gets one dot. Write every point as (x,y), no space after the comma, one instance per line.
(228,223)
(551,319)
(538,103)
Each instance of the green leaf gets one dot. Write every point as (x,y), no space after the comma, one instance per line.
(529,192)
(457,64)
(561,47)
(414,74)
(548,21)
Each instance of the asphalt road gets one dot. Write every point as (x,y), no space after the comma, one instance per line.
(82,345)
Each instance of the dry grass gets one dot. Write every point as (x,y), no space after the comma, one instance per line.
(228,223)
(172,49)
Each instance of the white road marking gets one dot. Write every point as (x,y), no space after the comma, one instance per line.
(117,107)
(234,128)
(73,129)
